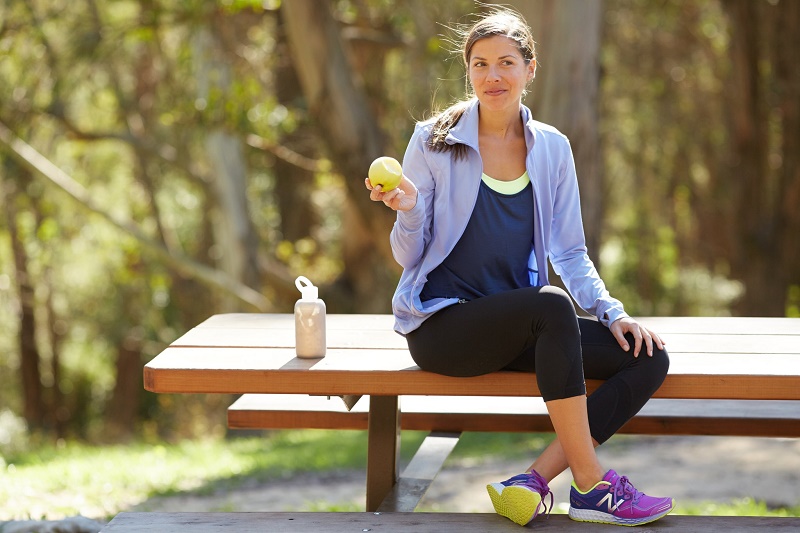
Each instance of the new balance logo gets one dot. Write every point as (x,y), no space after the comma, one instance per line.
(609,502)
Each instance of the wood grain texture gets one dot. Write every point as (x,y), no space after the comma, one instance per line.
(742,418)
(722,358)
(417,523)
(383,448)
(665,325)
(420,473)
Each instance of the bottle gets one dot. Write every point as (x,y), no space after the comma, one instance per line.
(309,320)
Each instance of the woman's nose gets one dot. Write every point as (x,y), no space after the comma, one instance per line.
(493,74)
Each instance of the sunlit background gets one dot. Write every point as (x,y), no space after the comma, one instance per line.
(165,160)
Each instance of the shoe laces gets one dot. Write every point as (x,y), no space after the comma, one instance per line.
(624,489)
(534,481)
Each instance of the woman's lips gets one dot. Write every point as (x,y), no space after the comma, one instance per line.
(495,92)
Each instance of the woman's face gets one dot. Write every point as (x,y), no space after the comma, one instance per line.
(498,73)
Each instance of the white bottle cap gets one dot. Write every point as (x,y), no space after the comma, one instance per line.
(306,288)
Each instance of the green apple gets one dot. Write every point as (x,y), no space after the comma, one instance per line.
(386,172)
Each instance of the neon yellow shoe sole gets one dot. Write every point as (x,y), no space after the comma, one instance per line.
(518,504)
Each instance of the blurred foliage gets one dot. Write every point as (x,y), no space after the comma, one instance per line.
(653,117)
(124,96)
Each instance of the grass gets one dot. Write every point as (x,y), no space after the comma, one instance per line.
(99,482)
(74,478)
(740,507)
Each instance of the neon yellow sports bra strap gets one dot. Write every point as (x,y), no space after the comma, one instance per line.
(507,187)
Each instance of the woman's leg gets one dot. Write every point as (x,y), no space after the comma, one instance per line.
(527,329)
(569,417)
(534,328)
(630,382)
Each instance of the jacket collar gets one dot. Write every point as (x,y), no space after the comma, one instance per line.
(466,131)
(530,126)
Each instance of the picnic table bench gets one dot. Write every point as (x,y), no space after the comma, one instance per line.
(737,418)
(418,523)
(753,362)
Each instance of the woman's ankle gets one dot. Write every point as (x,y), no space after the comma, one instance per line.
(585,482)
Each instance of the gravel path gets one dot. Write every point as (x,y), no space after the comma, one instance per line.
(691,469)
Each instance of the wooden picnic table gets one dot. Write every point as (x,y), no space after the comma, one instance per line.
(711,358)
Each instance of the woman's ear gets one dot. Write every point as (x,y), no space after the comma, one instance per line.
(531,69)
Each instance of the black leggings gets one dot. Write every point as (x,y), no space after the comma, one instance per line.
(535,329)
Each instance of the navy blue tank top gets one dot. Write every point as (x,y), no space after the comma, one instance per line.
(492,254)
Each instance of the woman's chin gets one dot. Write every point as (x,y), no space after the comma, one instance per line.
(497,103)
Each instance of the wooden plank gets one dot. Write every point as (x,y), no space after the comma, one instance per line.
(731,343)
(412,383)
(518,423)
(356,339)
(355,361)
(392,372)
(661,324)
(474,405)
(387,382)
(286,321)
(730,427)
(639,425)
(420,473)
(383,448)
(723,325)
(416,523)
(744,418)
(386,339)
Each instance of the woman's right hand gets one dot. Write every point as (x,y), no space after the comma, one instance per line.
(401,198)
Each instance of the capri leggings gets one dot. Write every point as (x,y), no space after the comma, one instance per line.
(535,329)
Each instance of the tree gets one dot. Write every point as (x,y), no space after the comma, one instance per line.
(565,93)
(351,133)
(763,166)
(32,389)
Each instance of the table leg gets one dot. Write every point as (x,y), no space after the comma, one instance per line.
(383,449)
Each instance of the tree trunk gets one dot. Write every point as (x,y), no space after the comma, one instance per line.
(353,138)
(32,390)
(124,405)
(787,72)
(293,184)
(57,411)
(565,93)
(763,165)
(236,240)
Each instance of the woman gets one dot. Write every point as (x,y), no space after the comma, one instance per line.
(488,195)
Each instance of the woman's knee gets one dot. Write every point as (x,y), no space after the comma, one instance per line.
(654,369)
(551,309)
(557,301)
(660,361)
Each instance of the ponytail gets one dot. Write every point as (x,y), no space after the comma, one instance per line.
(446,120)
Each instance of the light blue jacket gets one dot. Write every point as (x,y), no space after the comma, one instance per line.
(448,188)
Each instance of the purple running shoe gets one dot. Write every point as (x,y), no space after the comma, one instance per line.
(616,501)
(520,497)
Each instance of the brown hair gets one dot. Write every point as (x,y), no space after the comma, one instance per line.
(499,21)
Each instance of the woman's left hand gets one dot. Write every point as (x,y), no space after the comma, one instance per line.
(640,333)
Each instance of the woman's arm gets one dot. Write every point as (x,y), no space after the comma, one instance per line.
(568,252)
(571,261)
(413,201)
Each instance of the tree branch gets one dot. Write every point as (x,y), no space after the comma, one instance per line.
(288,155)
(29,157)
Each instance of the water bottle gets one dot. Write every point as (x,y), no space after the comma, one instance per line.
(309,320)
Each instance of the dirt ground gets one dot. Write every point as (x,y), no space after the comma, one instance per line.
(690,469)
